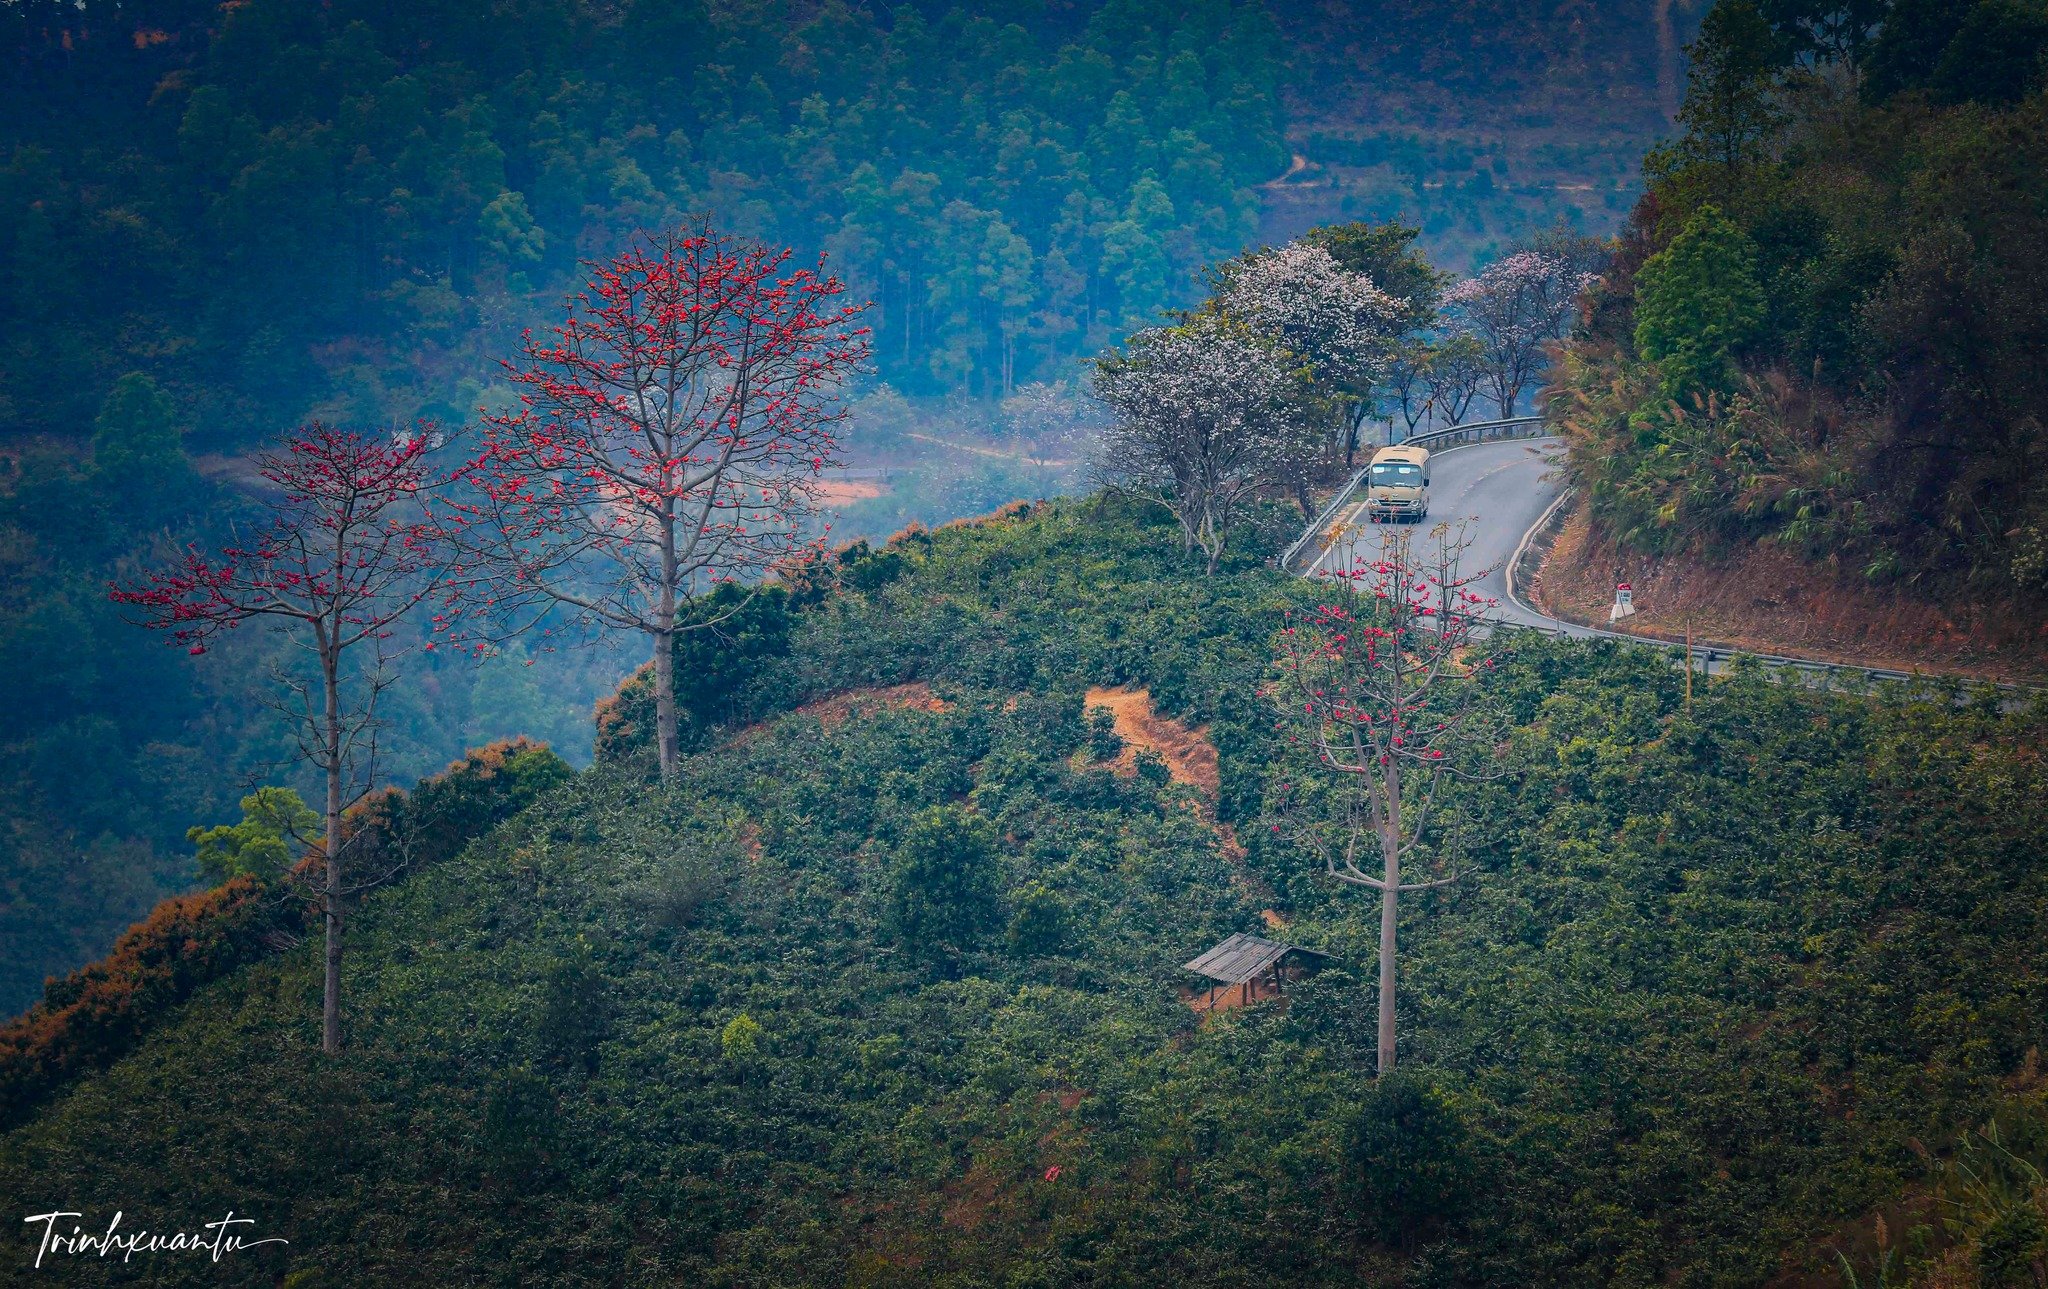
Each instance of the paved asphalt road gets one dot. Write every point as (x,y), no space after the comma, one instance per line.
(1498,490)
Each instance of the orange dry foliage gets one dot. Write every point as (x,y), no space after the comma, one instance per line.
(100,1011)
(1008,510)
(615,728)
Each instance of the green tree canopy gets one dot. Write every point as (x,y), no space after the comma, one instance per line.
(1039,924)
(1731,113)
(276,825)
(136,437)
(1697,302)
(1387,254)
(943,887)
(1997,54)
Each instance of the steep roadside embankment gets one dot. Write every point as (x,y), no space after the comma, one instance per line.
(1767,599)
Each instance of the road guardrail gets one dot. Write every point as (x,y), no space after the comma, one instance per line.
(1513,427)
(1814,671)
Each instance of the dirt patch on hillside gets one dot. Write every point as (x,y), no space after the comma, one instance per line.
(1769,600)
(839,708)
(1189,755)
(834,711)
(844,492)
(1190,758)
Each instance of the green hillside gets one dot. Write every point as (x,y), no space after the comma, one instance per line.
(1823,325)
(217,221)
(888,994)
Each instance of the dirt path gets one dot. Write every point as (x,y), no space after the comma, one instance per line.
(1670,59)
(993,453)
(1190,758)
(844,492)
(1296,163)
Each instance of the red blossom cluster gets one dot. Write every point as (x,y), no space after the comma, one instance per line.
(350,546)
(1379,698)
(673,425)
(668,440)
(1378,677)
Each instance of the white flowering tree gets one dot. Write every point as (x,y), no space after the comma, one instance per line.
(1341,326)
(1513,308)
(1205,415)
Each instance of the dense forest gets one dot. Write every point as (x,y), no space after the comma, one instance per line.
(886,989)
(1825,322)
(842,942)
(351,212)
(346,210)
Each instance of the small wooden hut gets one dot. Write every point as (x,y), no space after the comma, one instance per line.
(1247,968)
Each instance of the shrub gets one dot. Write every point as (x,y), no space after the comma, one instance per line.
(1039,925)
(740,1040)
(1697,303)
(1104,744)
(943,888)
(575,1010)
(102,1010)
(275,822)
(1407,1160)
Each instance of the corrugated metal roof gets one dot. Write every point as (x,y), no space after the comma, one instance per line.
(1243,956)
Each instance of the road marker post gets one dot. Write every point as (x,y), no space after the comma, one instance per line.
(1624,602)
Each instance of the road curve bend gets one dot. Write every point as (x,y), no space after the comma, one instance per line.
(1498,491)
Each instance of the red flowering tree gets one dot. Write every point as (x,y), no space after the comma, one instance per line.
(1381,700)
(347,550)
(669,438)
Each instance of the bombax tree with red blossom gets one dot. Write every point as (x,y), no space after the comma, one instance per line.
(669,438)
(1381,701)
(349,548)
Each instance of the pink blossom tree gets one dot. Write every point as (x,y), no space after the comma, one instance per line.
(1381,700)
(349,547)
(1513,309)
(669,438)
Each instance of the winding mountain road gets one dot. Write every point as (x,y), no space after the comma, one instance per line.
(1498,491)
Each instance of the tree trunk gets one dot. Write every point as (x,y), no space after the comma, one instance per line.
(330,1005)
(1388,900)
(665,647)
(1390,849)
(665,701)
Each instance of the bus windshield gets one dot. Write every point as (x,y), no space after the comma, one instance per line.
(1396,474)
